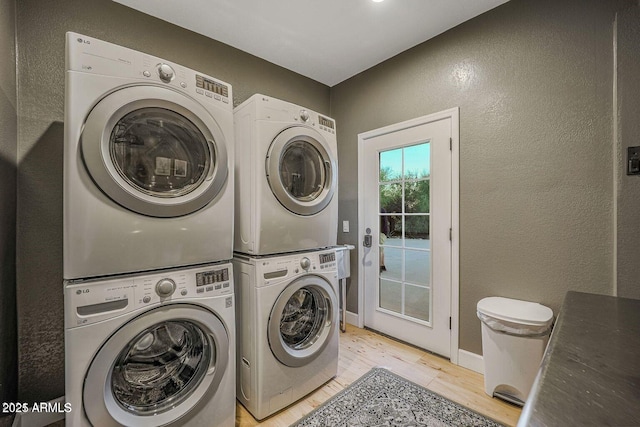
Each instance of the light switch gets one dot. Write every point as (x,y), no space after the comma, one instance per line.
(345,226)
(633,161)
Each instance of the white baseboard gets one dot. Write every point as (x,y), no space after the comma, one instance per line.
(466,359)
(352,319)
(472,361)
(52,412)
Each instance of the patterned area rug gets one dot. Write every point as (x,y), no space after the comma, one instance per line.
(382,398)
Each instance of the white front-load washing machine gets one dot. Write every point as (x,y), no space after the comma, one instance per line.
(151,349)
(148,163)
(287,317)
(286,178)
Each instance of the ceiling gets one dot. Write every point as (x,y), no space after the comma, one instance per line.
(329,40)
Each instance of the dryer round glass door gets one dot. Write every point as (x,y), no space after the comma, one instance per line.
(154,151)
(302,321)
(301,171)
(159,152)
(157,367)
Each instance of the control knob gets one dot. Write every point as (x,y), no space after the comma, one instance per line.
(304,115)
(305,263)
(165,288)
(165,72)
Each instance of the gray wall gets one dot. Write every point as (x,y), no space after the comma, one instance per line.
(533,80)
(41,36)
(628,133)
(8,145)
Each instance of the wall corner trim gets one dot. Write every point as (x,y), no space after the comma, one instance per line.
(353,319)
(472,361)
(615,169)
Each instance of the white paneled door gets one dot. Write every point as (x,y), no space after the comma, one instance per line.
(406,228)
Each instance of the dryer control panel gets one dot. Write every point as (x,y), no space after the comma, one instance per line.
(87,302)
(276,110)
(89,55)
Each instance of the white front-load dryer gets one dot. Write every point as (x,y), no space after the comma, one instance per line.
(287,317)
(151,350)
(286,178)
(148,163)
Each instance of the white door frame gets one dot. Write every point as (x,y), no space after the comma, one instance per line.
(454,114)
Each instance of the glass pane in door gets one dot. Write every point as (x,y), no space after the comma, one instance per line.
(416,231)
(391,198)
(417,163)
(391,295)
(417,196)
(418,267)
(390,165)
(404,244)
(417,298)
(391,261)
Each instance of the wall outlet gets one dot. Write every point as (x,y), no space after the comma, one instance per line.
(345,226)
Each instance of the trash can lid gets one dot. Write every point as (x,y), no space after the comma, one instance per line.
(516,311)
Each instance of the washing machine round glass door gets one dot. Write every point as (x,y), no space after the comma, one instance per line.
(301,171)
(157,368)
(154,151)
(302,321)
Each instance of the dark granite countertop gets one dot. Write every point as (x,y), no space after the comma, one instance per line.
(590,373)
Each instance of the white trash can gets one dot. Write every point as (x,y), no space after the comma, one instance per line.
(514,337)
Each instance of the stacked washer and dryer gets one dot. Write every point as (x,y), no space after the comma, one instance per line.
(148,226)
(285,266)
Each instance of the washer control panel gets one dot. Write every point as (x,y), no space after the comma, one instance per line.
(305,263)
(276,268)
(165,288)
(165,72)
(91,301)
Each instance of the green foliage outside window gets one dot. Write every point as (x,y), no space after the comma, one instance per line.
(416,201)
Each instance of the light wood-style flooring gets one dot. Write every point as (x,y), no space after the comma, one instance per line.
(361,350)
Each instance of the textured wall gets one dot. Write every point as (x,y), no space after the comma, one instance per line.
(533,80)
(41,37)
(8,145)
(628,126)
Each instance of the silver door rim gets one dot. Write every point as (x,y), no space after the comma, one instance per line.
(274,157)
(98,400)
(282,352)
(95,138)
